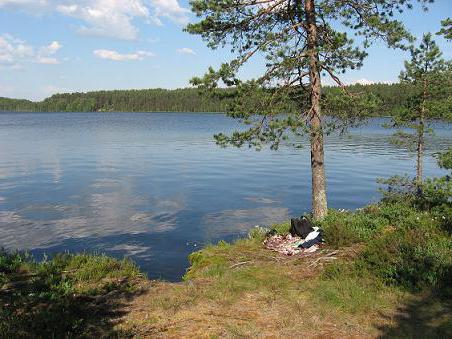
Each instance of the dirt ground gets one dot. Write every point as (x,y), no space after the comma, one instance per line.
(188,309)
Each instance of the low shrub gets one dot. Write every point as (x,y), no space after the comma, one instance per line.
(406,243)
(281,228)
(445,159)
(415,255)
(54,298)
(343,228)
(12,261)
(339,235)
(398,189)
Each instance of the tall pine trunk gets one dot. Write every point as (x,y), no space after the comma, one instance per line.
(319,202)
(420,142)
(420,152)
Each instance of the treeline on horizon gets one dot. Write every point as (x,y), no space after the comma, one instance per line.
(178,100)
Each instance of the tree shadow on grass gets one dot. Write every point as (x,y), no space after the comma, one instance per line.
(426,316)
(33,306)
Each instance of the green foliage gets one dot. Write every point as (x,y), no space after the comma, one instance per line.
(399,189)
(403,246)
(435,192)
(345,228)
(446,28)
(277,105)
(445,159)
(433,195)
(10,262)
(428,76)
(340,235)
(146,100)
(383,100)
(417,254)
(281,228)
(57,297)
(16,105)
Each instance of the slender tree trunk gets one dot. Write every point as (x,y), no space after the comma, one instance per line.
(319,202)
(420,152)
(420,142)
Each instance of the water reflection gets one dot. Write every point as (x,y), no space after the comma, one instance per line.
(152,186)
(238,221)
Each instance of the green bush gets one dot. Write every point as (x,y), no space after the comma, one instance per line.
(445,159)
(54,298)
(436,192)
(405,245)
(398,189)
(11,262)
(346,228)
(415,255)
(338,235)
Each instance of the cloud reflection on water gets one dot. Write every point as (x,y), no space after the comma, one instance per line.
(99,214)
(151,186)
(239,221)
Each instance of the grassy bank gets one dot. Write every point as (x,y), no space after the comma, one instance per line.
(386,271)
(383,263)
(70,295)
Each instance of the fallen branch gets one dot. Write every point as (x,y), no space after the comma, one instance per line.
(240,263)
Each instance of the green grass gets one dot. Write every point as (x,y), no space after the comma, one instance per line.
(351,290)
(403,250)
(62,296)
(392,257)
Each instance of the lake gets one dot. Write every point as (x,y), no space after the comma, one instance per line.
(155,187)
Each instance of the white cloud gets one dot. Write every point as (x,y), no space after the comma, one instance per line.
(45,54)
(186,50)
(51,49)
(25,4)
(14,52)
(365,81)
(109,18)
(115,56)
(171,10)
(47,61)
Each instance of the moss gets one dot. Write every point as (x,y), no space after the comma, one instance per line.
(214,260)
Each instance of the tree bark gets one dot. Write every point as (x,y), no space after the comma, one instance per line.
(420,153)
(420,142)
(319,202)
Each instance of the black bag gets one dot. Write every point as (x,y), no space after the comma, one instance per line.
(301,227)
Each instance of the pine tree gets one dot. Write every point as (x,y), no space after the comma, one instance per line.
(300,40)
(428,75)
(446,29)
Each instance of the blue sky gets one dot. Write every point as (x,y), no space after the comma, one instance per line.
(50,46)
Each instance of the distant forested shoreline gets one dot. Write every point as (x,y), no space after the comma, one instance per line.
(177,100)
(143,100)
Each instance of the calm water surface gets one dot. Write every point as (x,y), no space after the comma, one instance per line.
(155,186)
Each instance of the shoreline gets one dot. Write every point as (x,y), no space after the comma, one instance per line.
(241,288)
